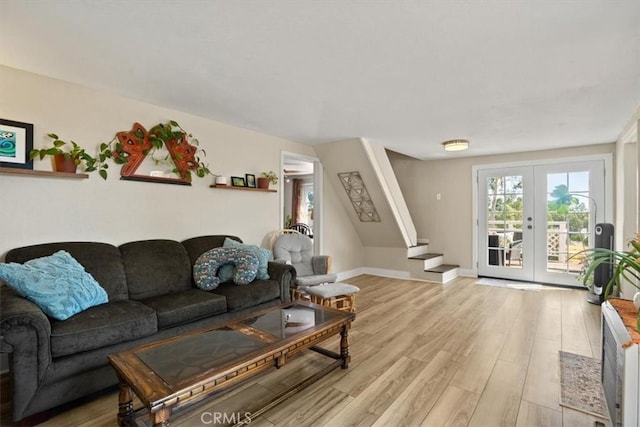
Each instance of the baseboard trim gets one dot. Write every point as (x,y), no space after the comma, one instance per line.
(351,273)
(394,274)
(467,272)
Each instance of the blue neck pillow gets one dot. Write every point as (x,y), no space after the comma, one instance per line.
(205,269)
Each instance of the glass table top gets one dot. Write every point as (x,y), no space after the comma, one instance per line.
(195,354)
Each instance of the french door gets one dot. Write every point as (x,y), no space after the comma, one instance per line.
(533,220)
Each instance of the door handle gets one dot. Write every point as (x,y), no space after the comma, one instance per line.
(529,219)
(529,227)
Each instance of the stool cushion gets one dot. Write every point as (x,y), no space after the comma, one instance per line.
(315,279)
(332,290)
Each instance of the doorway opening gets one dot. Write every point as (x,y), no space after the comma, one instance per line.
(301,201)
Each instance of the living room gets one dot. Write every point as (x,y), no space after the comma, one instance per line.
(84,103)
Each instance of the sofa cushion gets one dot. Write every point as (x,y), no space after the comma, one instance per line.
(103,261)
(57,283)
(264,256)
(103,325)
(155,267)
(185,306)
(258,292)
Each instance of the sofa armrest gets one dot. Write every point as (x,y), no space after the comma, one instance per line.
(321,264)
(25,332)
(284,274)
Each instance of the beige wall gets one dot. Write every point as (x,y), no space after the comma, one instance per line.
(340,238)
(627,189)
(393,260)
(448,222)
(36,210)
(347,156)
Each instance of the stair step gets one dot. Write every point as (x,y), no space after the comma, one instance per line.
(419,249)
(441,274)
(442,268)
(429,260)
(425,256)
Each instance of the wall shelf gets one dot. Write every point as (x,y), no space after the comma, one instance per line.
(230,187)
(49,174)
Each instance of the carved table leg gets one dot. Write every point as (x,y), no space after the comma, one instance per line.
(125,404)
(344,347)
(160,418)
(281,361)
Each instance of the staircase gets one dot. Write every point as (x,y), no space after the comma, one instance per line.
(424,265)
(368,189)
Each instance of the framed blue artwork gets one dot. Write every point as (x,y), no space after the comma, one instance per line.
(16,142)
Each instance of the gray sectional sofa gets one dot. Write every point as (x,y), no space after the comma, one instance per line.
(151,296)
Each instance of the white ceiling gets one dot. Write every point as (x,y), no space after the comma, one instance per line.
(508,75)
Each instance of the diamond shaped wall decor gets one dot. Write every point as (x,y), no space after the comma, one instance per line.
(359,196)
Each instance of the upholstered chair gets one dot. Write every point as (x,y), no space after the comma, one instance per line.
(297,250)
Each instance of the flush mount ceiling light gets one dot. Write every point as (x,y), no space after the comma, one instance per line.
(456,145)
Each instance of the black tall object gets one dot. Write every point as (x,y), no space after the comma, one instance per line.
(604,272)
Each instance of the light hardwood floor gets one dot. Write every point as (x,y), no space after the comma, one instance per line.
(422,355)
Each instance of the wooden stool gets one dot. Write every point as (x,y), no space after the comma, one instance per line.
(298,293)
(341,296)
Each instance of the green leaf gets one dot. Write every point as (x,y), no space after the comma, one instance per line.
(174,123)
(52,135)
(57,143)
(103,174)
(104,146)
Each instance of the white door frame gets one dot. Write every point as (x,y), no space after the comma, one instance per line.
(608,190)
(525,270)
(318,196)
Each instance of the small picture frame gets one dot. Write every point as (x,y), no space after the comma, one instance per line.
(16,143)
(237,181)
(251,180)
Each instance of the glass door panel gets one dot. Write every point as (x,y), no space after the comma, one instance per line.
(567,218)
(502,244)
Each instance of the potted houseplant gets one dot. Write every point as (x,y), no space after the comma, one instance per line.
(67,156)
(626,266)
(267,178)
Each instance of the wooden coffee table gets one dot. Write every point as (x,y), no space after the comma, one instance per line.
(173,373)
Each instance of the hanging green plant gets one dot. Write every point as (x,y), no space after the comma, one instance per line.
(129,148)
